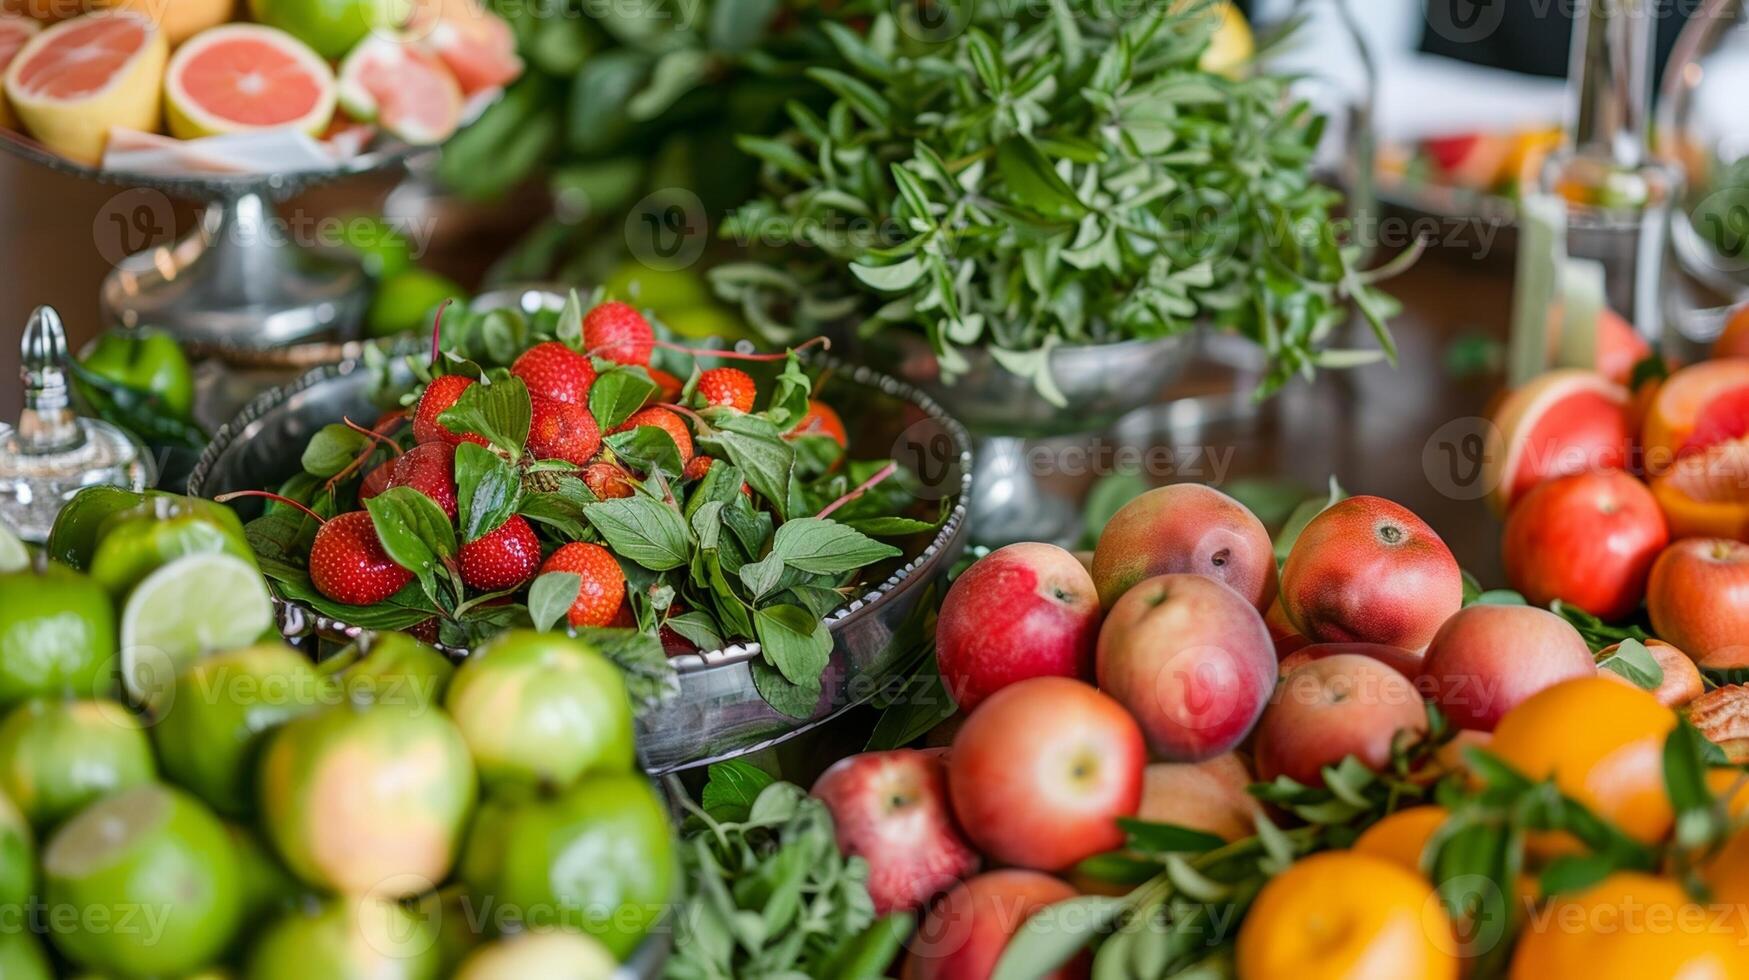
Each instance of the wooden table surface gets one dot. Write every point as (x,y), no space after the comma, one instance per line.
(1398,432)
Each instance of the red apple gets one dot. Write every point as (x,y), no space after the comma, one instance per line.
(1041,772)
(1588,540)
(1367,570)
(1186,528)
(964,935)
(1405,662)
(1486,660)
(1698,596)
(1682,682)
(1192,661)
(891,808)
(1027,610)
(1333,708)
(1212,796)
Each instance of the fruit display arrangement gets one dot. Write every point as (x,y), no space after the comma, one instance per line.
(229,806)
(1496,165)
(89,77)
(545,472)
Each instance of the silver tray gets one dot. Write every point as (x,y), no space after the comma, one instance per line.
(717,712)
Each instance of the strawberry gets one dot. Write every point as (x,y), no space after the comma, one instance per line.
(563,430)
(820,420)
(348,563)
(503,559)
(727,387)
(619,333)
(603,590)
(377,480)
(698,467)
(607,481)
(668,422)
(442,393)
(430,469)
(552,370)
(667,385)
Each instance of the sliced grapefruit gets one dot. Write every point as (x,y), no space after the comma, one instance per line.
(244,78)
(477,44)
(1563,422)
(1706,494)
(81,78)
(403,88)
(1473,160)
(15,32)
(1699,406)
(180,19)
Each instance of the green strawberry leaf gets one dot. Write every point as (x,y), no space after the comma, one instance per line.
(758,449)
(643,530)
(789,698)
(649,449)
(826,547)
(617,395)
(698,628)
(499,412)
(794,641)
(332,449)
(414,532)
(551,597)
(487,490)
(561,509)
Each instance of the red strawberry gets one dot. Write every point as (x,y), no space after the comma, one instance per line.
(377,480)
(561,430)
(348,564)
(603,591)
(820,420)
(430,469)
(619,333)
(668,422)
(729,387)
(698,467)
(440,395)
(667,385)
(607,481)
(552,370)
(503,559)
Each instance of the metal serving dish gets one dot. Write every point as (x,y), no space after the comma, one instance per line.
(717,712)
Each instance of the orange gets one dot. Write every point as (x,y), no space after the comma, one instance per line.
(1630,927)
(1734,784)
(1402,837)
(1734,340)
(1602,743)
(1699,406)
(1346,916)
(1727,874)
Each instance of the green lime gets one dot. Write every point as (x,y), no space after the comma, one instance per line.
(73,539)
(267,889)
(381,248)
(597,858)
(22,956)
(210,724)
(665,291)
(542,709)
(706,322)
(346,939)
(14,556)
(142,882)
(57,756)
(367,800)
(145,360)
(57,635)
(405,302)
(17,860)
(390,669)
(332,27)
(132,546)
(191,607)
(459,920)
(540,954)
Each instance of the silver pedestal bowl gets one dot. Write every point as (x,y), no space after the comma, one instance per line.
(716,713)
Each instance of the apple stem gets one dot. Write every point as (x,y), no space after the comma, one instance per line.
(735,355)
(867,485)
(437,332)
(225,498)
(374,436)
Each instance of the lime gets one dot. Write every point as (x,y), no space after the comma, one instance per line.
(57,756)
(132,547)
(459,920)
(346,939)
(407,301)
(332,27)
(145,360)
(17,860)
(14,556)
(542,709)
(662,290)
(267,889)
(22,956)
(209,726)
(57,635)
(597,858)
(540,954)
(73,539)
(704,323)
(190,607)
(390,669)
(142,882)
(381,248)
(367,800)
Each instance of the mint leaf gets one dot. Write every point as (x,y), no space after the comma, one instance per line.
(643,530)
(698,628)
(1634,662)
(551,597)
(487,490)
(414,531)
(648,449)
(761,577)
(789,698)
(498,412)
(825,547)
(333,449)
(617,395)
(758,449)
(733,786)
(789,395)
(721,485)
(561,509)
(796,643)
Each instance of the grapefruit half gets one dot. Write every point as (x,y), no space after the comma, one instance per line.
(478,45)
(180,19)
(245,78)
(77,80)
(403,88)
(1560,423)
(1696,408)
(15,32)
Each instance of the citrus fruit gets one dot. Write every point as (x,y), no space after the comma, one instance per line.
(1629,927)
(381,247)
(406,301)
(149,849)
(455,915)
(14,556)
(346,937)
(57,756)
(137,542)
(476,44)
(1347,915)
(79,79)
(1731,786)
(402,88)
(1682,682)
(145,360)
(22,956)
(209,728)
(331,27)
(663,291)
(542,709)
(1696,407)
(597,858)
(190,607)
(1727,872)
(394,669)
(540,954)
(14,32)
(57,635)
(1733,341)
(244,78)
(1402,837)
(17,858)
(73,538)
(1562,422)
(1618,346)
(1602,743)
(1231,48)
(1706,494)
(367,800)
(180,19)
(265,887)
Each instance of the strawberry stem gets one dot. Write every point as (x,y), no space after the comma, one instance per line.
(867,485)
(683,410)
(225,498)
(374,436)
(735,355)
(437,332)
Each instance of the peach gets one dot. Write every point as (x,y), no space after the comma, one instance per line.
(1027,610)
(1682,681)
(1405,662)
(1191,659)
(1211,796)
(1334,708)
(1366,570)
(1486,660)
(1698,596)
(1186,528)
(964,935)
